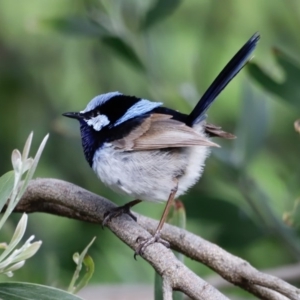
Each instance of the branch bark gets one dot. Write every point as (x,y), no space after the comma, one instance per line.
(167,288)
(289,273)
(68,200)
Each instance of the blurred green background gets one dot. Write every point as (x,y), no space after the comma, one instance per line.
(57,55)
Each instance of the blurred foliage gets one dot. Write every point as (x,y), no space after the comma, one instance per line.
(288,89)
(57,55)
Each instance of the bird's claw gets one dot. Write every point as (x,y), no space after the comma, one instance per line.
(145,242)
(115,212)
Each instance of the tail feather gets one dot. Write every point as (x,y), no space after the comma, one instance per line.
(226,75)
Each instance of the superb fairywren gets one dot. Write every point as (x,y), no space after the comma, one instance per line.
(150,152)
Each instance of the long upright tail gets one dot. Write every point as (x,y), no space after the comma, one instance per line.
(228,73)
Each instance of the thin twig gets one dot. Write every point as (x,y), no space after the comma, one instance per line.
(167,288)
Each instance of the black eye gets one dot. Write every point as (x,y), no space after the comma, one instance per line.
(91,114)
(94,113)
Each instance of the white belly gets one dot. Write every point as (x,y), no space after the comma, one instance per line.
(149,175)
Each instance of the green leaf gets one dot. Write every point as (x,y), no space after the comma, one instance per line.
(88,262)
(123,50)
(76,25)
(89,271)
(29,291)
(289,88)
(160,10)
(80,26)
(252,129)
(6,187)
(232,222)
(158,293)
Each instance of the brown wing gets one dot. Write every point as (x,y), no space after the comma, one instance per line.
(214,130)
(161,131)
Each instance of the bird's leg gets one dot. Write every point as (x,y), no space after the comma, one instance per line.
(117,211)
(144,243)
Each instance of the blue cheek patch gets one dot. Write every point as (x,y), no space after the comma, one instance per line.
(141,107)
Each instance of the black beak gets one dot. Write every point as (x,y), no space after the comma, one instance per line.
(73,115)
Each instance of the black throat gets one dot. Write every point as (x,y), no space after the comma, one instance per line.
(93,140)
(90,141)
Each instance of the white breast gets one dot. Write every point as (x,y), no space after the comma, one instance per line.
(149,175)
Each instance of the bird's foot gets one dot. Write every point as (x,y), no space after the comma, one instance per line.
(145,242)
(117,211)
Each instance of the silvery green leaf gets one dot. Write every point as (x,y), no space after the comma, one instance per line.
(3,245)
(5,263)
(9,274)
(29,251)
(15,267)
(27,243)
(33,167)
(29,291)
(27,147)
(27,164)
(6,187)
(20,230)
(76,258)
(18,234)
(16,160)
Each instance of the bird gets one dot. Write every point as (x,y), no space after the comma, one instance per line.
(149,152)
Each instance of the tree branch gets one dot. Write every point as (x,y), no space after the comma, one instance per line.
(167,288)
(68,200)
(289,273)
(232,268)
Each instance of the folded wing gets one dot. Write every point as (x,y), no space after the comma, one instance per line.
(161,131)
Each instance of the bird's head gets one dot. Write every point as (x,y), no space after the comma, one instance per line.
(108,117)
(111,110)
